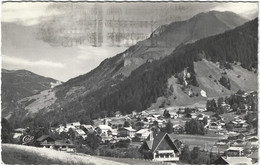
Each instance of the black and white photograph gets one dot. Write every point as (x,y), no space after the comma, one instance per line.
(129,82)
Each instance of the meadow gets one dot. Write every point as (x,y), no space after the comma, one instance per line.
(20,154)
(201,141)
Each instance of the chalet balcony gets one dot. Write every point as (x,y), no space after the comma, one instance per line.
(165,156)
(169,159)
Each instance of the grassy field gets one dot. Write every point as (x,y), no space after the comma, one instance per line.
(135,161)
(197,140)
(19,154)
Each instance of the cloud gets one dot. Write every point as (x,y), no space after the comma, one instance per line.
(29,13)
(242,8)
(8,60)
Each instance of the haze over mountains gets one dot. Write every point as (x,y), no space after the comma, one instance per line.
(137,77)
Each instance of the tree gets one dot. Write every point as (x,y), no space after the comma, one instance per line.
(185,156)
(168,127)
(220,101)
(93,141)
(126,124)
(225,82)
(72,134)
(229,126)
(205,120)
(6,131)
(166,114)
(211,105)
(195,155)
(194,127)
(86,120)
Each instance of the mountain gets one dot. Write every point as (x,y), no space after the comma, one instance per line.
(17,84)
(134,79)
(115,69)
(214,66)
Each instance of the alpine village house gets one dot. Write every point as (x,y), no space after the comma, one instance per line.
(160,147)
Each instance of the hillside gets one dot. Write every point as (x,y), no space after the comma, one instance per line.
(168,37)
(186,64)
(109,87)
(17,84)
(21,154)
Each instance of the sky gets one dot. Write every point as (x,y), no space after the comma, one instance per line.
(23,47)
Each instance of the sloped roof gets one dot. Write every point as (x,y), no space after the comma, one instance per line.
(157,139)
(130,129)
(142,131)
(104,127)
(237,160)
(235,148)
(43,137)
(63,143)
(254,155)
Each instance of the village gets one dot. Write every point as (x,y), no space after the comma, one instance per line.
(228,134)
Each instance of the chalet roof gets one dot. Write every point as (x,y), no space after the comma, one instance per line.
(254,155)
(157,139)
(235,148)
(63,143)
(237,160)
(80,131)
(104,127)
(76,124)
(87,126)
(254,138)
(130,129)
(43,137)
(141,131)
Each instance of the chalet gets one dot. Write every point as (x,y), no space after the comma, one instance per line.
(254,157)
(214,126)
(133,113)
(235,151)
(106,121)
(252,139)
(44,139)
(234,160)
(160,147)
(103,129)
(80,132)
(222,142)
(64,145)
(87,128)
(174,115)
(201,109)
(114,132)
(118,114)
(142,134)
(225,107)
(144,113)
(156,116)
(238,143)
(127,118)
(61,145)
(177,129)
(74,125)
(126,131)
(193,115)
(116,124)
